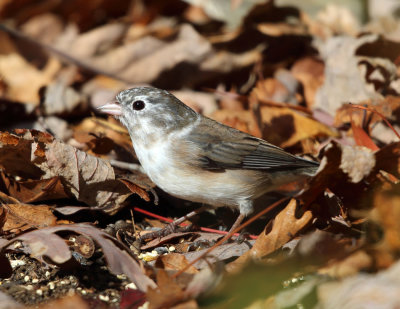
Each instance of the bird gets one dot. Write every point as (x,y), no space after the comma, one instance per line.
(195,158)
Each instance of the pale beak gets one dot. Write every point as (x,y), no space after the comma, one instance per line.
(113,108)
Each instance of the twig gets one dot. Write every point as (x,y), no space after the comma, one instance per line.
(229,235)
(377,113)
(133,167)
(64,57)
(204,229)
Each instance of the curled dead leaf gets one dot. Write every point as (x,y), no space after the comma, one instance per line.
(46,242)
(89,179)
(277,233)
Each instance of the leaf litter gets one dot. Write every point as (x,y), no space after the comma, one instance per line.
(70,181)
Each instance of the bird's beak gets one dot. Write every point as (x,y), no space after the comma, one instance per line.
(112,108)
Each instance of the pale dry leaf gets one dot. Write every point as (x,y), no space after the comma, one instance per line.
(225,62)
(283,28)
(97,40)
(357,162)
(121,57)
(384,134)
(336,19)
(223,10)
(189,47)
(379,290)
(344,70)
(57,126)
(202,102)
(60,98)
(240,120)
(23,80)
(44,27)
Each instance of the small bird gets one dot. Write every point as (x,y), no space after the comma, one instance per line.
(195,158)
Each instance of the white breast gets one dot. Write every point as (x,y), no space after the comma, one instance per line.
(228,188)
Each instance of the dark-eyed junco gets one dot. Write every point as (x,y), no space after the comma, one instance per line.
(198,159)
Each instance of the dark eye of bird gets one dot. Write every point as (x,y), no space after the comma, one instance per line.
(138,105)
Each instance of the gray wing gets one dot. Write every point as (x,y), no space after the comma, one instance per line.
(240,150)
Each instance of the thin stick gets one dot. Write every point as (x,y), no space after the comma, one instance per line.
(229,235)
(204,229)
(377,113)
(133,167)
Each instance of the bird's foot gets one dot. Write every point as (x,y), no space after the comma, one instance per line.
(169,229)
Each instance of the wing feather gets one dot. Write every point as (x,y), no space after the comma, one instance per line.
(230,149)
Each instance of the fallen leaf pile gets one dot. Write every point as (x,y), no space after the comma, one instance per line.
(320,79)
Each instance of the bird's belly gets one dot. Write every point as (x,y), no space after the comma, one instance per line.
(227,188)
(217,188)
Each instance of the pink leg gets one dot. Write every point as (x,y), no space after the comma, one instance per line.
(237,222)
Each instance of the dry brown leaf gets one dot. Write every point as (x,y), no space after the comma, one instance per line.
(89,179)
(175,261)
(30,191)
(167,294)
(277,233)
(134,188)
(282,126)
(351,265)
(274,90)
(388,159)
(20,217)
(389,107)
(343,169)
(386,212)
(286,127)
(84,131)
